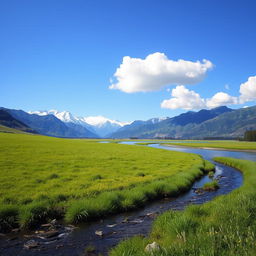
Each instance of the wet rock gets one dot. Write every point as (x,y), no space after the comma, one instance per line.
(199,191)
(49,234)
(71,226)
(31,244)
(53,222)
(99,233)
(29,236)
(153,247)
(136,221)
(47,225)
(152,215)
(125,220)
(111,225)
(59,246)
(62,235)
(15,230)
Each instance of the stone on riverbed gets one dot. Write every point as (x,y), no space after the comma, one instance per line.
(31,244)
(99,233)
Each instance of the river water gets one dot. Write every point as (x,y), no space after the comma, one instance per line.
(125,225)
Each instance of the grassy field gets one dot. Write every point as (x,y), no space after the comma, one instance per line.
(229,144)
(10,130)
(225,226)
(43,178)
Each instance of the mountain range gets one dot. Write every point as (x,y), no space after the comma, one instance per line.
(221,122)
(99,125)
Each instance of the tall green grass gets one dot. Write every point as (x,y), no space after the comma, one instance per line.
(224,226)
(229,144)
(43,178)
(112,201)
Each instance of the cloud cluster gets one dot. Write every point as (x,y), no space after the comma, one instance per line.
(248,90)
(221,99)
(157,71)
(183,98)
(188,99)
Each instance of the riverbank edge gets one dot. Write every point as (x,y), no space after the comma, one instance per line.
(224,226)
(105,204)
(208,148)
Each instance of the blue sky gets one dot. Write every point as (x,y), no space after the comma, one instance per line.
(61,54)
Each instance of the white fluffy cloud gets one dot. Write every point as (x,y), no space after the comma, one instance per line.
(187,99)
(248,90)
(221,99)
(157,71)
(183,98)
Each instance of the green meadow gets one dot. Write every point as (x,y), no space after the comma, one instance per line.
(10,130)
(224,226)
(228,144)
(44,178)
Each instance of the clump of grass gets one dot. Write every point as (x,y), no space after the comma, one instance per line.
(96,177)
(211,174)
(93,208)
(60,198)
(133,247)
(211,186)
(89,249)
(8,217)
(53,176)
(9,200)
(140,174)
(35,213)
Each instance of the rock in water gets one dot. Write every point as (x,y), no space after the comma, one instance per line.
(31,244)
(152,247)
(99,233)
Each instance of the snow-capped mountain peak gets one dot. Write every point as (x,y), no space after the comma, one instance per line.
(157,119)
(64,116)
(99,124)
(101,121)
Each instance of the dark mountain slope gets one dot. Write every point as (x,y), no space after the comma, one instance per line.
(232,124)
(170,127)
(8,120)
(50,125)
(199,117)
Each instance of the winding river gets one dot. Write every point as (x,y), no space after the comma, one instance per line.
(125,225)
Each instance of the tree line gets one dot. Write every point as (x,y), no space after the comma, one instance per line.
(250,135)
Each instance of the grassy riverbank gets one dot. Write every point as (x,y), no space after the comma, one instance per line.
(44,178)
(233,145)
(224,226)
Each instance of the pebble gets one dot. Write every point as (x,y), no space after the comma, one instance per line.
(99,232)
(31,244)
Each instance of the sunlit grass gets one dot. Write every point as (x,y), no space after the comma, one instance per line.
(230,144)
(44,177)
(224,226)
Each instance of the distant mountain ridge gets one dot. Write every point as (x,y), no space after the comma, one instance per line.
(50,125)
(99,125)
(8,120)
(194,125)
(221,122)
